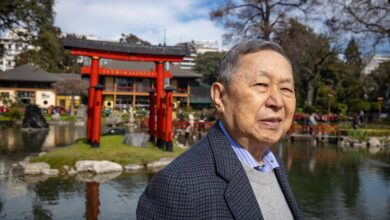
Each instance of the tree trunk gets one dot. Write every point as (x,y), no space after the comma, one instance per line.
(309,91)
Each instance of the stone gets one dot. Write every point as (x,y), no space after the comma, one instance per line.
(66,167)
(374,150)
(134,167)
(51,172)
(33,118)
(99,178)
(114,120)
(41,154)
(98,166)
(72,172)
(81,115)
(36,168)
(374,142)
(136,139)
(160,163)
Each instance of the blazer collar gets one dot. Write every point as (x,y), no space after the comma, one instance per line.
(239,193)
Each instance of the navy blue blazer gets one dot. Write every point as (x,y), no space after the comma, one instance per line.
(206,182)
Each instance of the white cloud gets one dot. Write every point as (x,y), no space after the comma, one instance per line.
(184,20)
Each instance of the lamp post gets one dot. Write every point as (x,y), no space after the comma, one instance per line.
(380,100)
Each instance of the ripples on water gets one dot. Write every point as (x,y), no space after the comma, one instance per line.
(328,184)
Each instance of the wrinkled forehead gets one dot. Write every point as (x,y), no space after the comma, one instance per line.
(252,66)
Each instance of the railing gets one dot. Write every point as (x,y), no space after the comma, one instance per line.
(314,130)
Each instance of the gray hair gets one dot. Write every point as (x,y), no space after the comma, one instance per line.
(230,61)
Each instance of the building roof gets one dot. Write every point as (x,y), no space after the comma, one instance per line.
(31,73)
(28,73)
(146,66)
(70,43)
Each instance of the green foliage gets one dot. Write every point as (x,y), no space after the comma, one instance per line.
(378,84)
(133,39)
(358,104)
(342,108)
(207,64)
(111,148)
(15,113)
(314,61)
(30,15)
(358,134)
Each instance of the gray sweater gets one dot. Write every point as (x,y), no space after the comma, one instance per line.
(268,194)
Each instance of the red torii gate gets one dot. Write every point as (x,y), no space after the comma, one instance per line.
(128,52)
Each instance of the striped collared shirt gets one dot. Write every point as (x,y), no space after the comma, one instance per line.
(245,157)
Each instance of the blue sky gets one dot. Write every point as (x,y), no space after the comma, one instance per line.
(184,20)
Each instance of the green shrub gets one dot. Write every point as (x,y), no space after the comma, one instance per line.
(358,135)
(14,113)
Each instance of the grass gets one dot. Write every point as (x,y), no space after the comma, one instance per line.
(111,148)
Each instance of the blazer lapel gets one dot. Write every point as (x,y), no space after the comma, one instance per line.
(239,193)
(281,176)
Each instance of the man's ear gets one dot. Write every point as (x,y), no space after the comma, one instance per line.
(217,93)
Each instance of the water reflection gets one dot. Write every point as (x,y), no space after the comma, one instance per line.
(92,200)
(328,183)
(13,139)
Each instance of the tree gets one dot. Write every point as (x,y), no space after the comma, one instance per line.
(71,87)
(314,61)
(49,53)
(378,84)
(362,17)
(257,18)
(132,39)
(207,64)
(25,15)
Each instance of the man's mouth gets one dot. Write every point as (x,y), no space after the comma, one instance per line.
(271,122)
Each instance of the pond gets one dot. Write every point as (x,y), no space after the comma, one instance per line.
(328,183)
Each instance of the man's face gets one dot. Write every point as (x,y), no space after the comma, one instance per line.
(259,103)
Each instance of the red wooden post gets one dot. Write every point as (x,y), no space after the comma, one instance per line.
(93,202)
(152,115)
(93,81)
(168,120)
(159,97)
(97,115)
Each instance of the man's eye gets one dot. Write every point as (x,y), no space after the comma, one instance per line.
(261,84)
(288,90)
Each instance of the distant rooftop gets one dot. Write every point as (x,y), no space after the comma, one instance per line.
(31,73)
(70,43)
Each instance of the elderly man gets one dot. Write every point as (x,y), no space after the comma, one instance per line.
(231,173)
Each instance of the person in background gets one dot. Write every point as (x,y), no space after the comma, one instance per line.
(231,173)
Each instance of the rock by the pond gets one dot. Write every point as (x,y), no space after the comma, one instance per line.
(99,178)
(136,139)
(51,172)
(374,142)
(33,118)
(160,163)
(98,167)
(134,167)
(72,172)
(36,168)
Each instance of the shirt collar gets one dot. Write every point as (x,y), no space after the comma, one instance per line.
(245,157)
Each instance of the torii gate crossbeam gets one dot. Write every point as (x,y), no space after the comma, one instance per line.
(97,50)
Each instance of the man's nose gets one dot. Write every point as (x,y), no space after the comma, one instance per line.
(274,99)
